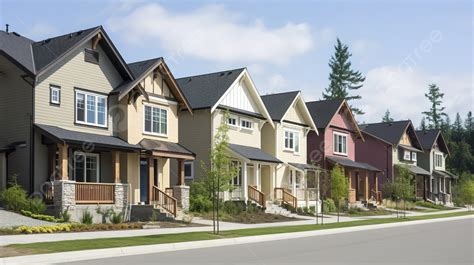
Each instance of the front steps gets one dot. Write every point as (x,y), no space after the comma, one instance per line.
(144,213)
(273,208)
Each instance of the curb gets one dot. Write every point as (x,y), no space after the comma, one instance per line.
(158,248)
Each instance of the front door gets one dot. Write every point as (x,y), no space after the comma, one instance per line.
(144,180)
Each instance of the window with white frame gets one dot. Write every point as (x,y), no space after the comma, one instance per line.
(406,155)
(232,121)
(91,109)
(298,179)
(237,180)
(413,156)
(246,124)
(86,167)
(292,141)
(156,120)
(340,143)
(55,95)
(189,170)
(438,160)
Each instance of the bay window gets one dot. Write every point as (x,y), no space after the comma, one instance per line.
(91,109)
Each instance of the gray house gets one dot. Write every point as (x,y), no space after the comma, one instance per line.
(434,161)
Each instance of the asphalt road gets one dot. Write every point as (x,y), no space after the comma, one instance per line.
(449,242)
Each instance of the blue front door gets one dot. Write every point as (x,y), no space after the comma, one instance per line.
(144,180)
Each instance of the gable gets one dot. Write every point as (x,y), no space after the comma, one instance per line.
(405,140)
(294,114)
(155,84)
(238,97)
(342,120)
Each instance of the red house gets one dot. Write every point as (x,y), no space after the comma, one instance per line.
(335,144)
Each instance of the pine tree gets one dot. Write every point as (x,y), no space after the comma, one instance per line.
(342,77)
(458,130)
(423,124)
(387,117)
(469,122)
(435,114)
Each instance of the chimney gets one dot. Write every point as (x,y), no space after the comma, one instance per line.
(7,26)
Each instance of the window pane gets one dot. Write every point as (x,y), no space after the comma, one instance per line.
(163,124)
(155,120)
(187,170)
(297,142)
(80,107)
(147,119)
(79,167)
(91,168)
(101,111)
(91,109)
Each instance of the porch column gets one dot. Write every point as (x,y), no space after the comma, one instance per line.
(63,162)
(293,182)
(244,181)
(273,181)
(257,176)
(180,172)
(376,182)
(151,177)
(366,186)
(116,166)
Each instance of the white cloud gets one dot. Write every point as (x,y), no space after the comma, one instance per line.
(362,46)
(402,92)
(277,82)
(214,33)
(41,30)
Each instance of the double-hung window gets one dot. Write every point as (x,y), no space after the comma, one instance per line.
(55,95)
(86,167)
(189,170)
(237,180)
(245,124)
(340,143)
(438,160)
(156,120)
(292,141)
(91,109)
(413,156)
(406,155)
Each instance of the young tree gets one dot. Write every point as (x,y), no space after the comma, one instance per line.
(221,170)
(402,188)
(464,193)
(386,117)
(436,113)
(342,77)
(339,187)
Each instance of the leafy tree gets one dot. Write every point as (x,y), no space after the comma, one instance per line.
(464,193)
(342,77)
(386,117)
(436,113)
(402,188)
(339,187)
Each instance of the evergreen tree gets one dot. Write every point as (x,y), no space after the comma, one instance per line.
(386,117)
(469,122)
(342,77)
(423,124)
(457,130)
(435,114)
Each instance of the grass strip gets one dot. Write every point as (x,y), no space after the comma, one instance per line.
(88,244)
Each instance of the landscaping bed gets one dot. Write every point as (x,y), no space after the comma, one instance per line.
(256,217)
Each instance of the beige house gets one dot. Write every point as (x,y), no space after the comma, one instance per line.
(296,182)
(93,129)
(210,95)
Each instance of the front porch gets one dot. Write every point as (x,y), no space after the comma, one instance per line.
(440,188)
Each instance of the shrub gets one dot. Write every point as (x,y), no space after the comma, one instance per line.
(105,213)
(65,216)
(299,210)
(43,217)
(199,200)
(43,229)
(86,218)
(116,218)
(231,207)
(36,205)
(329,205)
(15,197)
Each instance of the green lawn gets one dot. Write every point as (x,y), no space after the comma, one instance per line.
(74,245)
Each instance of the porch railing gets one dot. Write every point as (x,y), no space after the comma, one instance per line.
(169,191)
(377,195)
(310,193)
(257,196)
(96,193)
(286,197)
(165,201)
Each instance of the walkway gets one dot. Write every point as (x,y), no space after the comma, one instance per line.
(10,219)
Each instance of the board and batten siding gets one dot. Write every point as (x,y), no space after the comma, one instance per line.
(74,73)
(238,97)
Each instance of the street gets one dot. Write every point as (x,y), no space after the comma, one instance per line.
(449,242)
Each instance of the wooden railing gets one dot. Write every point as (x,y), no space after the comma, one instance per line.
(285,196)
(377,195)
(169,191)
(257,196)
(352,195)
(165,201)
(95,193)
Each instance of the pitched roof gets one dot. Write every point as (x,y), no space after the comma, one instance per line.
(278,104)
(429,137)
(73,137)
(164,146)
(322,111)
(17,48)
(253,153)
(346,162)
(204,91)
(417,170)
(392,131)
(138,68)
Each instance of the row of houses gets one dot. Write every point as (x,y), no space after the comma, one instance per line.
(80,127)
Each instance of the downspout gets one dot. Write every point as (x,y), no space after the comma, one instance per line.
(32,140)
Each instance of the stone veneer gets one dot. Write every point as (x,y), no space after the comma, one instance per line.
(181,193)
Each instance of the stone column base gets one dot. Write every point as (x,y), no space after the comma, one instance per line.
(181,193)
(121,195)
(64,196)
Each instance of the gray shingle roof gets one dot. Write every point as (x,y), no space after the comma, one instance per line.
(322,111)
(18,48)
(138,68)
(203,91)
(346,162)
(74,137)
(444,174)
(429,137)
(163,146)
(278,104)
(392,131)
(417,170)
(253,153)
(303,166)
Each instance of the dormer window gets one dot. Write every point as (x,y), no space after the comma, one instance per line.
(91,56)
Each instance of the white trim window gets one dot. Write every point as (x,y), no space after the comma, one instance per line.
(155,120)
(91,109)
(292,141)
(86,167)
(232,121)
(54,94)
(438,160)
(406,155)
(340,143)
(246,124)
(413,156)
(237,180)
(189,170)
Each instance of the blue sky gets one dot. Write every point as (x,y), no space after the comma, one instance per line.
(400,46)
